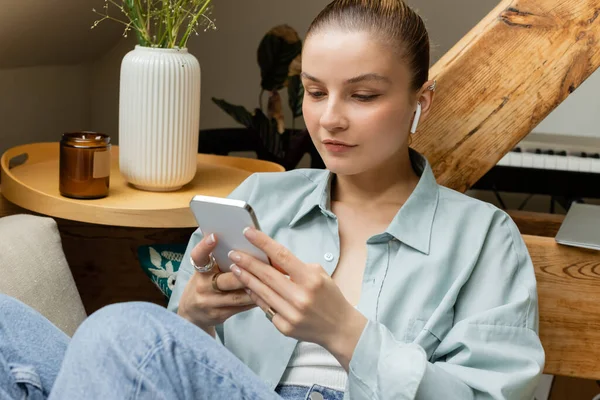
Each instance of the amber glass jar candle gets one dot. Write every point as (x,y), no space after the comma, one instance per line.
(84,165)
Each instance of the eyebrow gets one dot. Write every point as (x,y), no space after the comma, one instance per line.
(356,79)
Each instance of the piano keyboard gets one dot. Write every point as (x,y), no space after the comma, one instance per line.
(555,152)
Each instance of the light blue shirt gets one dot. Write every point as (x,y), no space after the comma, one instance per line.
(449,291)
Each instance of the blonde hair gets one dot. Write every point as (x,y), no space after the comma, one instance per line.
(393,21)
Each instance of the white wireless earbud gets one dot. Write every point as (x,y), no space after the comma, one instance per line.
(417,118)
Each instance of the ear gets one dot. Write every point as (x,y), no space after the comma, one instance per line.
(425,97)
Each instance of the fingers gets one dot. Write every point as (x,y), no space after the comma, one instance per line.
(231,291)
(265,293)
(282,324)
(265,273)
(238,298)
(227,282)
(218,315)
(228,312)
(201,252)
(279,255)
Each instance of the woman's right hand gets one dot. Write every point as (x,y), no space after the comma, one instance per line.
(200,303)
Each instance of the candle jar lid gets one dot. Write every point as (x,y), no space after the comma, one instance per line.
(85,139)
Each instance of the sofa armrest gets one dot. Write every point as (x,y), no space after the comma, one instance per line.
(33,269)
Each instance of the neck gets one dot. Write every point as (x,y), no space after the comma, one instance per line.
(389,184)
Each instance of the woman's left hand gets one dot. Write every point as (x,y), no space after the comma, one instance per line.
(308,306)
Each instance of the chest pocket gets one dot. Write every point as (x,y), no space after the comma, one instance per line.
(429,335)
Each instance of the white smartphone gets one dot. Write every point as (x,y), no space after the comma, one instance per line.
(227,219)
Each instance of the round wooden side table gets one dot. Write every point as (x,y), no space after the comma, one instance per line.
(33,185)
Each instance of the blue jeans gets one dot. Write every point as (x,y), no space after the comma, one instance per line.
(124,351)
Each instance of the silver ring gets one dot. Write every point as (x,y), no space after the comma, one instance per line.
(270,314)
(206,268)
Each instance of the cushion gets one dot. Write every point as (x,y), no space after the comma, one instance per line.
(161,262)
(34,270)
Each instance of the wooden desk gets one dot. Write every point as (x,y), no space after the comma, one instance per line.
(100,238)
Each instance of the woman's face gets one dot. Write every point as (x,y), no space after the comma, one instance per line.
(358,103)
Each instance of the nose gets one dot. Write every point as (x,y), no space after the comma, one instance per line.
(333,118)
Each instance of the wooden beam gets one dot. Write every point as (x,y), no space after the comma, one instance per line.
(506,75)
(568,281)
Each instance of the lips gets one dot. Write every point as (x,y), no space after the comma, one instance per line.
(337,146)
(337,143)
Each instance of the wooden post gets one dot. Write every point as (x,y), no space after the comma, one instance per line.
(506,75)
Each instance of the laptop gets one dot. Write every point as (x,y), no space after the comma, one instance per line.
(581,227)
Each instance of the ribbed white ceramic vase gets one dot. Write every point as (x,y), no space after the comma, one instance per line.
(159,118)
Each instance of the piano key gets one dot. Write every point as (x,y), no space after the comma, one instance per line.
(550,161)
(538,160)
(527,160)
(573,163)
(561,163)
(568,153)
(585,164)
(595,166)
(516,159)
(505,161)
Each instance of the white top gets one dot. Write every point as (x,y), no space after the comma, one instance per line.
(311,364)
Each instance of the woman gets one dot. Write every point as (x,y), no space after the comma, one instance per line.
(398,288)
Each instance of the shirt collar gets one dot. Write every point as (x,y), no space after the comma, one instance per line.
(319,197)
(411,225)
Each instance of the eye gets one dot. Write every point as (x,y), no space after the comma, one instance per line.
(316,94)
(365,97)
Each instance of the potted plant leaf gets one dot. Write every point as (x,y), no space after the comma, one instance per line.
(279,57)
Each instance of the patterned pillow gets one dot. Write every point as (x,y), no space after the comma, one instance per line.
(161,263)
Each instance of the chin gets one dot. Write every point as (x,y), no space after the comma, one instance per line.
(341,166)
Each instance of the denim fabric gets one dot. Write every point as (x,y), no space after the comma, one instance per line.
(31,349)
(293,392)
(123,351)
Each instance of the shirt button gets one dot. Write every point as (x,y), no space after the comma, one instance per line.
(328,257)
(316,396)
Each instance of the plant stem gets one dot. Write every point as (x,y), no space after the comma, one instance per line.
(160,23)
(193,22)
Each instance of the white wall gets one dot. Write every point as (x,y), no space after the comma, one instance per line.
(51,32)
(44,77)
(40,103)
(579,114)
